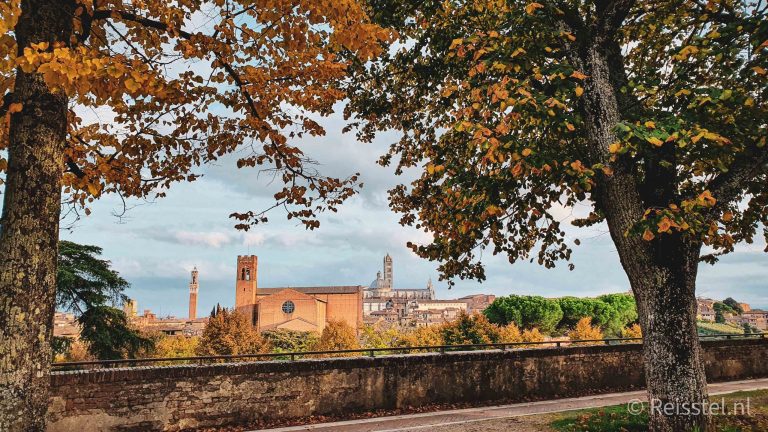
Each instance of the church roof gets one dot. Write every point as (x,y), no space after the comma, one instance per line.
(342,289)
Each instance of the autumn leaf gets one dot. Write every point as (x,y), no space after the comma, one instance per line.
(655,141)
(665,224)
(531,8)
(579,91)
(578,75)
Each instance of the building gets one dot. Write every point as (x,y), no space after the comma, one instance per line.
(478,302)
(294,308)
(193,286)
(383,286)
(130,308)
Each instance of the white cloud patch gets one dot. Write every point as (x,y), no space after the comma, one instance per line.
(212,239)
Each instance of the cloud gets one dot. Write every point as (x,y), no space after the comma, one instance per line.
(211,239)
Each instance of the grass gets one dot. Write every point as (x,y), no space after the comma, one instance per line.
(618,419)
(710,328)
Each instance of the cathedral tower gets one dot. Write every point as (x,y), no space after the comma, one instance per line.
(193,286)
(245,286)
(388,272)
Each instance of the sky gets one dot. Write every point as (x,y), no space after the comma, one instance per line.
(156,244)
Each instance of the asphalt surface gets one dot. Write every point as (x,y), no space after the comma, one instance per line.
(522,417)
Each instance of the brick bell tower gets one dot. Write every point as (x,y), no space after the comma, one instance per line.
(245,285)
(193,286)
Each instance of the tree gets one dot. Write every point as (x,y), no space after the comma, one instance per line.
(525,311)
(651,112)
(175,346)
(733,304)
(633,331)
(87,286)
(282,340)
(584,330)
(229,332)
(625,306)
(379,336)
(183,83)
(719,317)
(337,335)
(470,329)
(423,336)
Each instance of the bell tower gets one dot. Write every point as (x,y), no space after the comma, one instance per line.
(193,286)
(245,285)
(388,272)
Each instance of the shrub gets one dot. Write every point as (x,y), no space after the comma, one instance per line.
(337,335)
(584,330)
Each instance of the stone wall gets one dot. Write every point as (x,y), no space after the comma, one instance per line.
(178,397)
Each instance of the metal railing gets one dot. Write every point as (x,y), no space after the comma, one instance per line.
(369,352)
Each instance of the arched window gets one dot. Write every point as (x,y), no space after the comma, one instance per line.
(248,274)
(242,274)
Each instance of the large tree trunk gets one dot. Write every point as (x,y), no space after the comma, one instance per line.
(30,227)
(662,272)
(666,293)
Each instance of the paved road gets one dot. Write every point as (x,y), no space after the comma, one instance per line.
(497,418)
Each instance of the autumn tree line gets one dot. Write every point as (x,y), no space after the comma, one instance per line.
(229,332)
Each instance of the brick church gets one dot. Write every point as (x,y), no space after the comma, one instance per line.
(294,308)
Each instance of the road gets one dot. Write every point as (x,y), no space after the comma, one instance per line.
(521,417)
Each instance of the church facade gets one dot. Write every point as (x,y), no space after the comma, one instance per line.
(294,308)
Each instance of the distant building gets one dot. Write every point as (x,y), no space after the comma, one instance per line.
(193,287)
(294,308)
(383,286)
(130,309)
(478,302)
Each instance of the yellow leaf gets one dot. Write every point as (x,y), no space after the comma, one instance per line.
(655,141)
(531,8)
(526,152)
(132,85)
(758,70)
(579,91)
(570,127)
(650,125)
(93,189)
(728,216)
(614,148)
(578,75)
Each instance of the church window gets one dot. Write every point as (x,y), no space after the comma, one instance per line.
(289,307)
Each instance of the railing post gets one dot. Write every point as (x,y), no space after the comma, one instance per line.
(558,344)
(293,357)
(373,354)
(442,350)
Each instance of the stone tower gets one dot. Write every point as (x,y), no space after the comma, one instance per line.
(245,285)
(387,272)
(193,286)
(130,308)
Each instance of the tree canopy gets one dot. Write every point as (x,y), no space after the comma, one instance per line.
(90,288)
(497,120)
(180,84)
